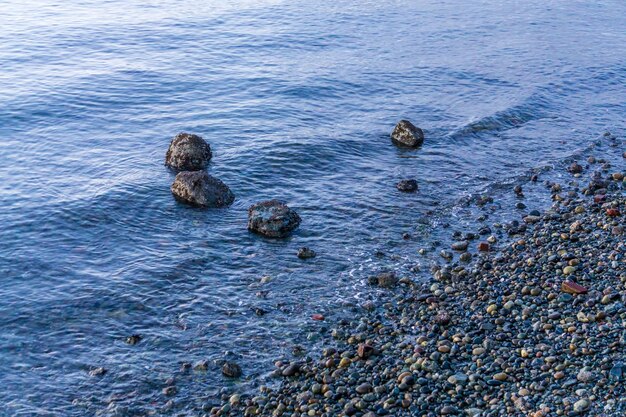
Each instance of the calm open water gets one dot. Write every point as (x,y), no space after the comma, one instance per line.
(297,99)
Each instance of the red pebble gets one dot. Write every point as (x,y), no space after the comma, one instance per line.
(599,198)
(612,212)
(573,288)
(318,317)
(483,247)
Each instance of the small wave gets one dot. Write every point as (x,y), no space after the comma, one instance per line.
(534,108)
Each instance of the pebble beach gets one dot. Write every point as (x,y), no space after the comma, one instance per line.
(534,327)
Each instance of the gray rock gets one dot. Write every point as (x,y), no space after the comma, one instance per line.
(200,189)
(575,168)
(407,186)
(272,219)
(465,257)
(97,371)
(133,339)
(231,369)
(581,406)
(291,370)
(584,375)
(458,379)
(461,245)
(406,134)
(188,152)
(364,388)
(306,253)
(387,280)
(447,410)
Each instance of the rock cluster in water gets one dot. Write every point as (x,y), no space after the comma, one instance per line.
(536,329)
(190,154)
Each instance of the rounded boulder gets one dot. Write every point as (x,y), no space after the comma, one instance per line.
(200,189)
(272,219)
(188,152)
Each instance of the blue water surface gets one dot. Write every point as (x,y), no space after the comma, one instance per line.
(297,100)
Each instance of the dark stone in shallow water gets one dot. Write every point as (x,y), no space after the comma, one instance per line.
(188,152)
(575,168)
(97,371)
(306,253)
(291,370)
(134,339)
(407,186)
(406,134)
(597,184)
(272,219)
(386,280)
(259,311)
(231,370)
(200,189)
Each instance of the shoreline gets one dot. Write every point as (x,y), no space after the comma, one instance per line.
(500,335)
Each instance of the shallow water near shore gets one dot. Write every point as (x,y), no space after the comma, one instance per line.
(297,100)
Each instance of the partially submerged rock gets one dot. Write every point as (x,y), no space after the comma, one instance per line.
(272,218)
(386,280)
(231,370)
(188,152)
(407,186)
(290,370)
(483,247)
(306,253)
(406,134)
(200,189)
(98,371)
(133,339)
(575,168)
(460,246)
